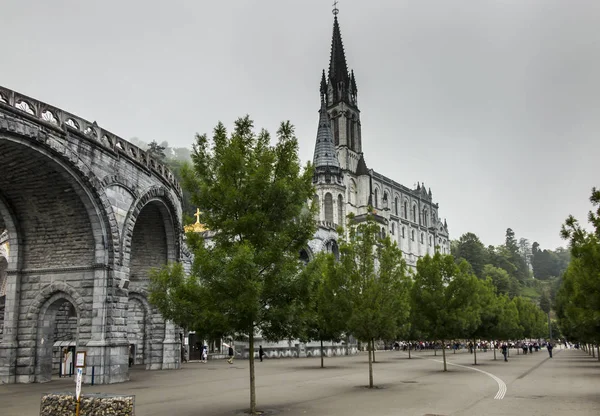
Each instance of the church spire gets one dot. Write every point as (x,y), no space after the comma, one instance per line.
(338,69)
(325,159)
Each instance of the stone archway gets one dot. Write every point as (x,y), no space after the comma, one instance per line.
(57,334)
(138,335)
(3,281)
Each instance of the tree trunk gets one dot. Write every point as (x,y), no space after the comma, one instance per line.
(494,347)
(409,348)
(373,347)
(370,366)
(322,365)
(444,355)
(598,351)
(434,350)
(593,352)
(252,383)
(474,352)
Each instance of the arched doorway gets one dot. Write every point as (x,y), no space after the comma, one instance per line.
(137,336)
(57,338)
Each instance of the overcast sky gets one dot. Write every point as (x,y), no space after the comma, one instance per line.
(495,105)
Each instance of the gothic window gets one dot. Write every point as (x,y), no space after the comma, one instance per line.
(414,213)
(425,217)
(340,203)
(376,201)
(412,235)
(430,241)
(328,207)
(393,229)
(405,209)
(403,236)
(382,232)
(352,193)
(385,200)
(396,206)
(422,238)
(336,130)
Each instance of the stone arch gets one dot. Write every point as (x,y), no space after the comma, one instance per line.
(52,314)
(396,205)
(385,202)
(77,175)
(139,334)
(119,180)
(414,212)
(161,206)
(331,246)
(306,255)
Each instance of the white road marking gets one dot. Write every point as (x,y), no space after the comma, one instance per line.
(501,384)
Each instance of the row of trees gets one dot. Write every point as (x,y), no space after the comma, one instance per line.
(248,279)
(577,302)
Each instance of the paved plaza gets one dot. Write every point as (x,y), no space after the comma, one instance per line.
(567,384)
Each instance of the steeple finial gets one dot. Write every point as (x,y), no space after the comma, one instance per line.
(335,9)
(323,86)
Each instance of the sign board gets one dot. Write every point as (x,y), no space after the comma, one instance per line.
(80,359)
(78,383)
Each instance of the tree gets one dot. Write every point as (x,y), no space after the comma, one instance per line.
(156,151)
(514,256)
(440,295)
(328,306)
(508,326)
(377,281)
(253,196)
(502,281)
(470,248)
(483,304)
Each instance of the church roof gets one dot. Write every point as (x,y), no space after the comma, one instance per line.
(338,70)
(325,154)
(361,168)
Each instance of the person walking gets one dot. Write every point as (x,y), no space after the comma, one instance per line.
(550,346)
(231,354)
(204,353)
(261,353)
(504,351)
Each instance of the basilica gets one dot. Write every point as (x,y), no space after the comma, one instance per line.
(345,184)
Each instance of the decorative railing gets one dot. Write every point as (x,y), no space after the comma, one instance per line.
(65,121)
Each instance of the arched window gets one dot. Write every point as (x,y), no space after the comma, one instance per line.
(425,217)
(422,240)
(403,229)
(405,210)
(430,241)
(396,206)
(376,201)
(382,232)
(385,200)
(352,193)
(412,235)
(328,207)
(340,203)
(393,228)
(414,213)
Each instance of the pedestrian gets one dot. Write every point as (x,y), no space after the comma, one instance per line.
(504,351)
(261,353)
(549,346)
(184,354)
(204,353)
(231,355)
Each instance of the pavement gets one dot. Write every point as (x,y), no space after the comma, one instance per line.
(533,384)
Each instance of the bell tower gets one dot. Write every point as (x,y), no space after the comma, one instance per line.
(339,88)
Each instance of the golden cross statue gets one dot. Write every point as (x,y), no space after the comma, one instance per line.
(197,215)
(335,9)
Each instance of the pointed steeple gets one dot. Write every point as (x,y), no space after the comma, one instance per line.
(323,86)
(361,167)
(325,158)
(338,69)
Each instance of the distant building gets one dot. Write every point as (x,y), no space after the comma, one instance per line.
(346,185)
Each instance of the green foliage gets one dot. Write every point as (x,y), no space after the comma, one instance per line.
(503,282)
(328,305)
(508,326)
(253,196)
(470,248)
(547,263)
(156,151)
(578,300)
(377,283)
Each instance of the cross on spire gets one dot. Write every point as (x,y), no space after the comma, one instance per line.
(335,9)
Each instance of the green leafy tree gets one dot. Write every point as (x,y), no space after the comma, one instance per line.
(440,295)
(508,326)
(377,284)
(470,248)
(156,151)
(328,307)
(483,303)
(253,196)
(502,281)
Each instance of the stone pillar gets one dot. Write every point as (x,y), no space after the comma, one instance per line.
(9,344)
(96,348)
(171,356)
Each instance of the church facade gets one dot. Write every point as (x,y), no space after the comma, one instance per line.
(345,184)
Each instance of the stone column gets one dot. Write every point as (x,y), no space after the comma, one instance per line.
(171,356)
(9,344)
(97,356)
